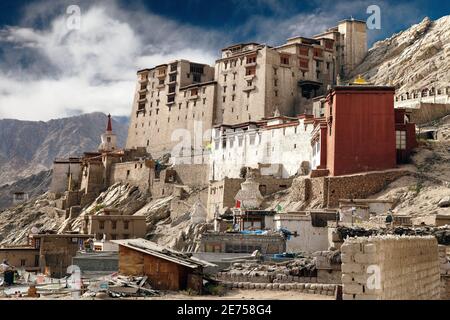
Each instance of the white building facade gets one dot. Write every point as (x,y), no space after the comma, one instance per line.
(279,146)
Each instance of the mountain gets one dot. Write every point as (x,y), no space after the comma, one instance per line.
(416,58)
(29,147)
(33,186)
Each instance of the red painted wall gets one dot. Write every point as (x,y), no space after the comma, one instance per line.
(362,136)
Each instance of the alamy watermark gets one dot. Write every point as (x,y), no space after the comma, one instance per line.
(374,20)
(73,21)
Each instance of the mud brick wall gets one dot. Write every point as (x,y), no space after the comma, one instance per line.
(445,273)
(193,174)
(407,268)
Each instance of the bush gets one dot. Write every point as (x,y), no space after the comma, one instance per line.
(215,289)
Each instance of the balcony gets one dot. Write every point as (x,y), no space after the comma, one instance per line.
(249,88)
(161,74)
(194,97)
(250,64)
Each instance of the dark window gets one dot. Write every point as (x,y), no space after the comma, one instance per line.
(196,68)
(197,77)
(114,225)
(126,225)
(285,60)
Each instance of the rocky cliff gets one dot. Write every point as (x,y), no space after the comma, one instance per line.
(416,58)
(29,147)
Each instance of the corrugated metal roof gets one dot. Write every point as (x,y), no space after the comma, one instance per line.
(156,250)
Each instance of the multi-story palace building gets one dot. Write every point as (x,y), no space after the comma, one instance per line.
(177,104)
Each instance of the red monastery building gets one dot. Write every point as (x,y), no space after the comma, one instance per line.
(361,131)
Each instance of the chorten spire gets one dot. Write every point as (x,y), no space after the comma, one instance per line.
(109,127)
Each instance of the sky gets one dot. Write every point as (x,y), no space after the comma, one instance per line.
(54,65)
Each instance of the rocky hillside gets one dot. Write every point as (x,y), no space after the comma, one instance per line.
(34,185)
(29,147)
(413,59)
(41,213)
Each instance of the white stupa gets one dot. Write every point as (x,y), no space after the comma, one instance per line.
(249,196)
(109,139)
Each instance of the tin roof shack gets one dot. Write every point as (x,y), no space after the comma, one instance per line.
(166,269)
(254,219)
(112,224)
(57,250)
(24,257)
(228,242)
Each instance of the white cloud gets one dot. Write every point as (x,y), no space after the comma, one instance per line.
(51,72)
(94,68)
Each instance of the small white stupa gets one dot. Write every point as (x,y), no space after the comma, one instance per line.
(109,139)
(249,196)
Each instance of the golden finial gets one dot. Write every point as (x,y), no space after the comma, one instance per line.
(360,80)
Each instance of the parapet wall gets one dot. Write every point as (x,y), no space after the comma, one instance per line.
(391,268)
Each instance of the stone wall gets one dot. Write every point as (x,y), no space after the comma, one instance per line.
(327,191)
(390,268)
(358,186)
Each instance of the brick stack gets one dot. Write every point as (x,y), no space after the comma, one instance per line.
(390,268)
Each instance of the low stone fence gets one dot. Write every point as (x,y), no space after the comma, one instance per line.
(263,277)
(391,268)
(311,288)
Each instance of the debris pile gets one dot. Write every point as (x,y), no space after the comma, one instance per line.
(117,286)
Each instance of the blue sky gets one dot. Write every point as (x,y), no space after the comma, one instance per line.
(69,72)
